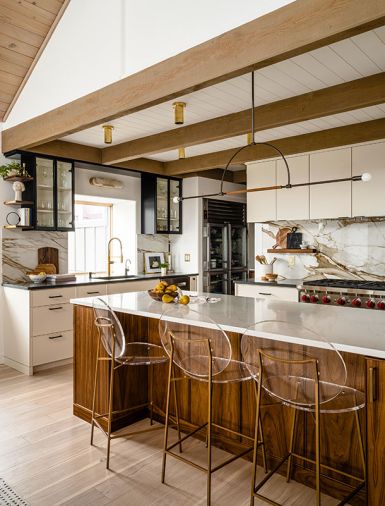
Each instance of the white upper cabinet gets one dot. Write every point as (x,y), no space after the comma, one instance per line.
(293,204)
(261,206)
(331,200)
(368,198)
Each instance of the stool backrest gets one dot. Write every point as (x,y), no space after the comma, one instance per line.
(109,327)
(293,371)
(194,341)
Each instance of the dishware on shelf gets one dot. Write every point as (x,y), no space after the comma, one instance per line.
(38,278)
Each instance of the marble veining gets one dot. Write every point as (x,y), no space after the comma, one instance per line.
(347,248)
(20,252)
(148,243)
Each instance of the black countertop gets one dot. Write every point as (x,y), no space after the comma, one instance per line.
(85,280)
(292,283)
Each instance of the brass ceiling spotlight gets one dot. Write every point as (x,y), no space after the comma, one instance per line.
(107,133)
(181,153)
(179,112)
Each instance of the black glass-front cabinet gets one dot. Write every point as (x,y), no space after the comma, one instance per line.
(160,214)
(52,191)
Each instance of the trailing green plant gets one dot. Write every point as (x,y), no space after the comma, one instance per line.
(11,167)
(164,265)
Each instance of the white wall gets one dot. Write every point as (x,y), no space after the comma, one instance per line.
(98,42)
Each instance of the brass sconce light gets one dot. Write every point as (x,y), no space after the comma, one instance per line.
(107,133)
(181,153)
(179,112)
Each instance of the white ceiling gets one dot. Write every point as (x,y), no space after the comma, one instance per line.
(344,61)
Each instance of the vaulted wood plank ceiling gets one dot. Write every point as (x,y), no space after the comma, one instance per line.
(25,28)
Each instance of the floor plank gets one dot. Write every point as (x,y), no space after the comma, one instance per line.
(46,457)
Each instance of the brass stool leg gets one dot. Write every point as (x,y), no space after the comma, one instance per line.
(291,444)
(318,449)
(110,409)
(94,392)
(151,371)
(167,416)
(255,451)
(177,411)
(262,438)
(362,450)
(209,422)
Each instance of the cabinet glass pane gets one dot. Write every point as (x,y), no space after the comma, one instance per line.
(217,247)
(64,195)
(174,207)
(161,204)
(45,214)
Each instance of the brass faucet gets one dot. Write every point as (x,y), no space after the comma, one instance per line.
(109,261)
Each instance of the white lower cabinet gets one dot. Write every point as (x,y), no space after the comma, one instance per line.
(38,328)
(258,291)
(52,347)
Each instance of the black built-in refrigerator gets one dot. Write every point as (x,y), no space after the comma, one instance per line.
(224,245)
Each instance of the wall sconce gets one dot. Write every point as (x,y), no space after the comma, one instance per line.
(181,153)
(179,112)
(107,133)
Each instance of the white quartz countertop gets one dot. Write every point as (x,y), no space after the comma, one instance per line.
(353,330)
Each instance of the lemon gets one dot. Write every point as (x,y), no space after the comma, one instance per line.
(185,299)
(167,298)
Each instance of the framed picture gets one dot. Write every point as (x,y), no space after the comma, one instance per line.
(152,261)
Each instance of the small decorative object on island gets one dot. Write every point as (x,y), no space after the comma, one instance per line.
(163,292)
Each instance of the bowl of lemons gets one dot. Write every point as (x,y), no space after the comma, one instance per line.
(37,277)
(163,292)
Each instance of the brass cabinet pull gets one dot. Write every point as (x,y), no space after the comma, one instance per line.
(92,293)
(55,308)
(372,384)
(55,337)
(55,296)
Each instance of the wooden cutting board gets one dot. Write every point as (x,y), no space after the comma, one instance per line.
(48,256)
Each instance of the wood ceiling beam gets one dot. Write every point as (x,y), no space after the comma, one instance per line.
(331,138)
(294,29)
(356,94)
(91,154)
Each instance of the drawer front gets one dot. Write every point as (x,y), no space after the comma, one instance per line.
(91,290)
(268,292)
(52,296)
(131,286)
(52,347)
(49,319)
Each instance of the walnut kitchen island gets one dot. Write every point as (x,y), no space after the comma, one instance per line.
(358,335)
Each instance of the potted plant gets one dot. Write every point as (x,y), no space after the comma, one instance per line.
(163,268)
(12,169)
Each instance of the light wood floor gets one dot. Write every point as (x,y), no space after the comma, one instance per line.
(46,457)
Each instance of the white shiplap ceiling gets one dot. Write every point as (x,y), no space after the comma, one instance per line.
(304,127)
(344,61)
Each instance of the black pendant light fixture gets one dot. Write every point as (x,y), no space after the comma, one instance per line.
(365,177)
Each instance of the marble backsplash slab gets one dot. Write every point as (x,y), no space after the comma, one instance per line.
(347,248)
(147,243)
(20,252)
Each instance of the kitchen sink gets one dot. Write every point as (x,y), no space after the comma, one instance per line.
(120,277)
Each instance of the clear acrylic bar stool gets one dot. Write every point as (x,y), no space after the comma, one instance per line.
(202,355)
(119,353)
(311,379)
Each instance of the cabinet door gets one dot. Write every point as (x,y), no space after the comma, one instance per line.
(261,206)
(293,204)
(330,200)
(45,195)
(368,198)
(64,179)
(175,207)
(375,412)
(162,205)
